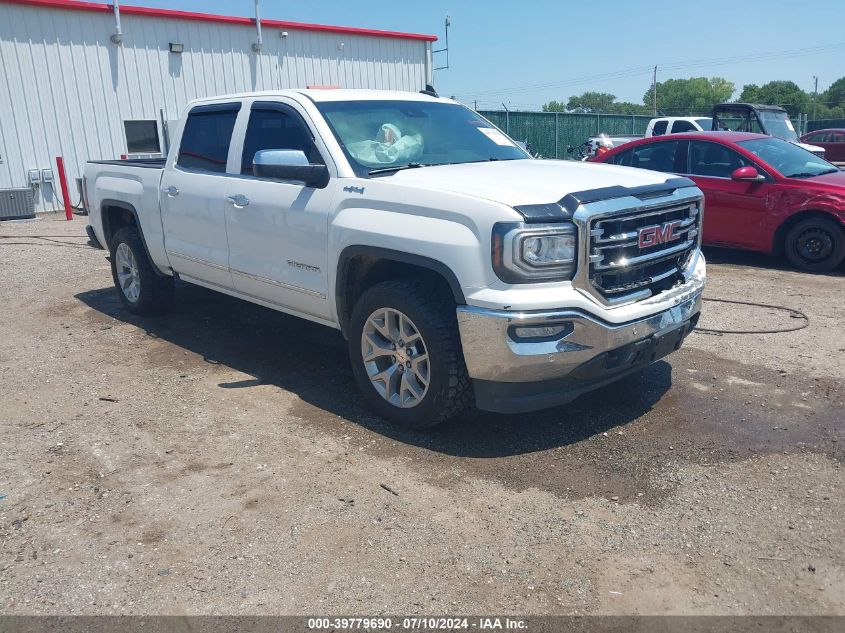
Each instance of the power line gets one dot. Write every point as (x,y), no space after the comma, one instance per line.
(568,82)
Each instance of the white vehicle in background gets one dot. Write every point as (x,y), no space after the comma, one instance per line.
(656,127)
(460,270)
(677,125)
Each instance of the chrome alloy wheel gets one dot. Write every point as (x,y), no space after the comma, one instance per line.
(395,358)
(127,272)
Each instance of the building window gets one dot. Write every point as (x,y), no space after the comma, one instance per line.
(142,137)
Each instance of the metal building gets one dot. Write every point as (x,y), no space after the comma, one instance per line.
(81,81)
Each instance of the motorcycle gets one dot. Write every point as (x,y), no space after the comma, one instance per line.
(595,146)
(582,152)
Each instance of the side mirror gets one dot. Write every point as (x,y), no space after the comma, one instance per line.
(747,174)
(289,164)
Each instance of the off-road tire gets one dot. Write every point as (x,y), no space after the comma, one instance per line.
(156,291)
(432,311)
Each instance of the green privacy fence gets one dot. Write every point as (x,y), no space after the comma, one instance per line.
(549,133)
(823,124)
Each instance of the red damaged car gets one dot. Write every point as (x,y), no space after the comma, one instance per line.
(761,193)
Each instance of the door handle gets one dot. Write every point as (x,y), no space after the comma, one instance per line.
(171,191)
(238,200)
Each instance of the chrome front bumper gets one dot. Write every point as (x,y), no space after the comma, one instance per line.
(516,376)
(493,353)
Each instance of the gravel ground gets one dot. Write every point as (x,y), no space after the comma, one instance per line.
(219,460)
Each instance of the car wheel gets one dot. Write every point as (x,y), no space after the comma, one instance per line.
(140,288)
(406,354)
(815,244)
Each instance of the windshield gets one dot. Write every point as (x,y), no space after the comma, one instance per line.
(790,160)
(778,124)
(380,135)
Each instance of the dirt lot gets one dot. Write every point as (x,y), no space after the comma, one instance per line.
(220,460)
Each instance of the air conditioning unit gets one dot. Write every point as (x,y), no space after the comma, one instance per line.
(17,204)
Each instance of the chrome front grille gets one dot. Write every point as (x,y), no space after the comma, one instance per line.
(620,267)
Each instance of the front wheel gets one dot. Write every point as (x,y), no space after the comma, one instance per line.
(815,244)
(140,288)
(406,355)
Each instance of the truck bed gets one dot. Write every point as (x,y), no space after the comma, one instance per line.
(148,163)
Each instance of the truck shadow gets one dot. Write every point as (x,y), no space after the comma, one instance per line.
(736,257)
(311,361)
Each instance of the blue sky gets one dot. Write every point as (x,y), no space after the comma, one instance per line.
(527,53)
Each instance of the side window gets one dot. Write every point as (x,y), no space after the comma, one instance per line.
(818,137)
(713,160)
(623,158)
(837,137)
(659,128)
(275,126)
(206,138)
(683,126)
(655,156)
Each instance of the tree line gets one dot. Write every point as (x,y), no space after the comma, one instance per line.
(698,95)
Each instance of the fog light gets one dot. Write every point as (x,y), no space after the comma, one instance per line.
(540,333)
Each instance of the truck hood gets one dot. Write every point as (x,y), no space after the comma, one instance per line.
(815,149)
(523,182)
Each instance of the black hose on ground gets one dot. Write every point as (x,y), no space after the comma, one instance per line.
(793,313)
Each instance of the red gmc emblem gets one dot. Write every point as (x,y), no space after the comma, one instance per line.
(658,234)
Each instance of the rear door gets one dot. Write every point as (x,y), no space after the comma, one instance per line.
(278,230)
(734,211)
(657,156)
(193,196)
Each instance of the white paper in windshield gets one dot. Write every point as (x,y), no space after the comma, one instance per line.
(496,136)
(789,125)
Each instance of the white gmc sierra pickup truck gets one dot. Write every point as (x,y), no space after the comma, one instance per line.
(459,269)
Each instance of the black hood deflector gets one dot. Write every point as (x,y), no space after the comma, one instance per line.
(565,208)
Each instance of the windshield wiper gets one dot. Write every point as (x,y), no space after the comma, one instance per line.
(807,174)
(387,170)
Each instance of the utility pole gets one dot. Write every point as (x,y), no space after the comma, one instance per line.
(445,49)
(815,95)
(654,90)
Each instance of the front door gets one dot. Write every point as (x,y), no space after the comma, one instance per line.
(193,196)
(278,230)
(734,211)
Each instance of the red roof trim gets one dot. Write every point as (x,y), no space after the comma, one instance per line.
(225,19)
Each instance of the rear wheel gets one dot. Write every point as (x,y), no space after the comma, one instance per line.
(815,244)
(140,288)
(406,355)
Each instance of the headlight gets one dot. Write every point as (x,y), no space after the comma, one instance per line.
(534,252)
